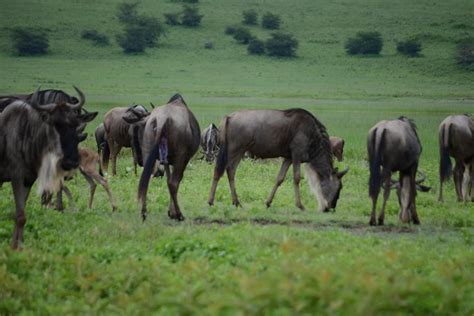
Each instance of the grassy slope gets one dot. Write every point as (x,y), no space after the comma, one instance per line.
(94,261)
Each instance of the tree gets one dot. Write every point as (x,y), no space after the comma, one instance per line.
(191,17)
(365,43)
(256,47)
(281,45)
(249,17)
(271,21)
(410,48)
(28,41)
(242,35)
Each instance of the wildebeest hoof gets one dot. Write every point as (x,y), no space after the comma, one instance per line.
(268,204)
(211,203)
(372,222)
(300,206)
(114,208)
(236,203)
(380,222)
(179,217)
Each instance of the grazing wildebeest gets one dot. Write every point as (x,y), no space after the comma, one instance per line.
(394,146)
(118,135)
(210,142)
(89,161)
(337,147)
(294,134)
(170,137)
(456,139)
(38,142)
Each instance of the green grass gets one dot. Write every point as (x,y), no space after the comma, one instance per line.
(250,260)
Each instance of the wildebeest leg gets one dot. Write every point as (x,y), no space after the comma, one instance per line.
(231,169)
(92,187)
(215,180)
(296,183)
(466,183)
(69,196)
(114,151)
(373,214)
(20,192)
(280,178)
(440,196)
(173,186)
(59,200)
(105,185)
(135,161)
(386,195)
(457,177)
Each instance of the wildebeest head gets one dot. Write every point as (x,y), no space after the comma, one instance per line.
(210,142)
(64,118)
(331,188)
(136,117)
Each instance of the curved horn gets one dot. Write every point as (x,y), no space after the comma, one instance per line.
(82,100)
(34,103)
(342,173)
(423,178)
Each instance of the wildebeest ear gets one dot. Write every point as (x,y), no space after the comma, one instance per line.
(82,137)
(342,173)
(87,117)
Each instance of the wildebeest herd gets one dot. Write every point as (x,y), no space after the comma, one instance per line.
(40,135)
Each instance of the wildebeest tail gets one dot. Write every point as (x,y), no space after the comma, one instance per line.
(149,164)
(105,156)
(222,157)
(374,146)
(445,167)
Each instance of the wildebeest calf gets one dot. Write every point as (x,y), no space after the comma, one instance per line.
(210,142)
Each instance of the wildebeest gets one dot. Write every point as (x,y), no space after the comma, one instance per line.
(210,142)
(100,138)
(456,139)
(43,97)
(118,135)
(38,142)
(394,146)
(294,134)
(337,147)
(171,137)
(89,161)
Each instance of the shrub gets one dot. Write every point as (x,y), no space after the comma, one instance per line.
(410,48)
(465,54)
(140,31)
(249,17)
(242,35)
(96,37)
(172,18)
(364,43)
(209,45)
(271,21)
(191,17)
(230,30)
(281,45)
(28,41)
(256,47)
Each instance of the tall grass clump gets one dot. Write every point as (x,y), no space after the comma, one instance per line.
(256,47)
(365,43)
(242,35)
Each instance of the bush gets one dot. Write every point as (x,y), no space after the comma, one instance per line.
(410,48)
(465,54)
(172,18)
(242,35)
(96,37)
(28,41)
(191,17)
(256,47)
(250,17)
(281,45)
(271,21)
(140,31)
(209,45)
(365,43)
(230,30)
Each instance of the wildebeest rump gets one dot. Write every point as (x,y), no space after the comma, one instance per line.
(170,137)
(295,135)
(456,139)
(210,142)
(394,146)
(118,135)
(38,142)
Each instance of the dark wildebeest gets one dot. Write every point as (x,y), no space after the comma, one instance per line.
(38,142)
(43,97)
(394,146)
(456,139)
(337,147)
(294,134)
(170,137)
(210,142)
(118,135)
(89,161)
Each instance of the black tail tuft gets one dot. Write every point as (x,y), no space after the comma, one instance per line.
(105,155)
(146,174)
(222,157)
(374,163)
(445,167)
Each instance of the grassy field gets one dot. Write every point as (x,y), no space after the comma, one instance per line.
(251,260)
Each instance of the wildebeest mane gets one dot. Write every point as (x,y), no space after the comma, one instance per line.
(177,96)
(319,147)
(53,96)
